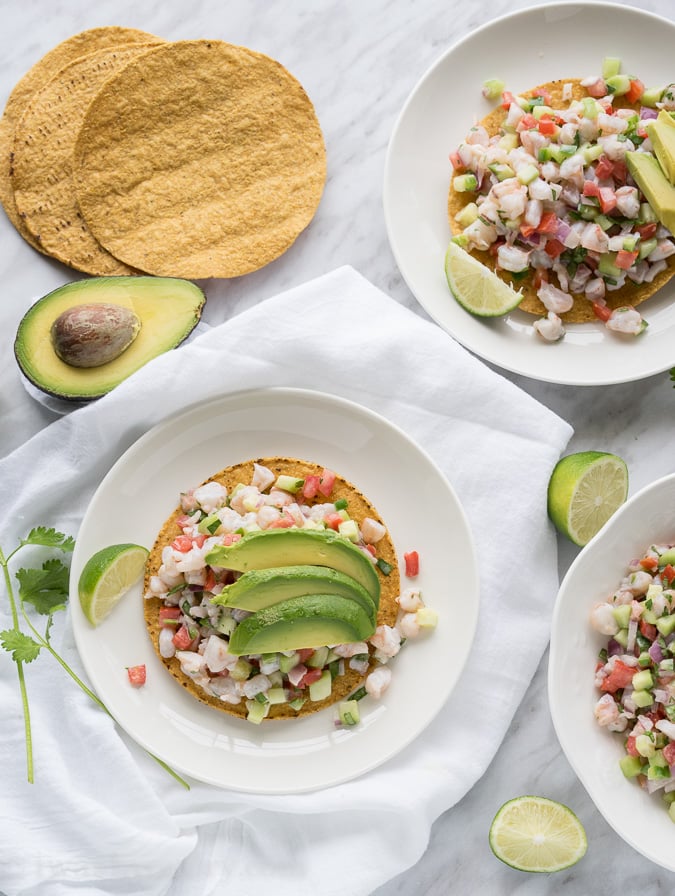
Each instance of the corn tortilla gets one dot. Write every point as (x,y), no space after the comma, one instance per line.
(359,508)
(582,310)
(200,159)
(42,160)
(44,69)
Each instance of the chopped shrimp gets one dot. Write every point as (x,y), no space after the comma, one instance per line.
(351,649)
(603,619)
(408,625)
(554,299)
(410,600)
(210,496)
(372,531)
(262,478)
(607,714)
(550,327)
(511,258)
(378,681)
(625,320)
(386,640)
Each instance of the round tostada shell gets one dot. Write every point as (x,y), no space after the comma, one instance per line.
(42,171)
(201,159)
(582,310)
(359,507)
(35,78)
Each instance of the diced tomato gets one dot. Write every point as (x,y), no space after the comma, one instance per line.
(184,520)
(607,198)
(635,91)
(507,99)
(372,550)
(647,231)
(625,260)
(230,538)
(631,749)
(182,638)
(602,312)
(591,188)
(554,248)
(327,482)
(649,563)
(668,574)
(620,677)
(669,753)
(455,161)
(547,127)
(310,676)
(620,171)
(283,522)
(527,123)
(304,653)
(549,223)
(167,614)
(137,675)
(333,520)
(597,89)
(182,543)
(199,540)
(527,230)
(540,276)
(210,581)
(604,167)
(412,563)
(310,487)
(647,629)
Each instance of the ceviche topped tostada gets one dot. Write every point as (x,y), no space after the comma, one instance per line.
(273,591)
(554,192)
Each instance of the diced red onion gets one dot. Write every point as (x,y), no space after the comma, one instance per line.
(562,231)
(614,648)
(646,112)
(655,652)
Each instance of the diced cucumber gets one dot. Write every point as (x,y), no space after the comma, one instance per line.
(348,712)
(501,171)
(646,248)
(647,215)
(658,759)
(604,222)
(286,663)
(508,142)
(645,745)
(297,703)
(226,625)
(611,66)
(276,679)
(649,616)
(321,689)
(318,659)
(621,637)
(644,660)
(277,695)
(349,529)
(257,711)
(618,85)
(667,557)
(643,680)
(622,615)
(651,96)
(241,670)
(631,765)
(607,266)
(527,173)
(590,110)
(592,152)
(426,617)
(209,525)
(541,110)
(467,215)
(460,240)
(289,483)
(666,624)
(642,698)
(493,88)
(465,183)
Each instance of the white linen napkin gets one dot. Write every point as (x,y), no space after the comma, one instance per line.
(101,817)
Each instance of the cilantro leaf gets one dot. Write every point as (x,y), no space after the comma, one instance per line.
(23,648)
(49,538)
(46,588)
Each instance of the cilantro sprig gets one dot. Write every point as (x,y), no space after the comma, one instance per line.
(44,588)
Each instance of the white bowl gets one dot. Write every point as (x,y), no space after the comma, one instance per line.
(641,819)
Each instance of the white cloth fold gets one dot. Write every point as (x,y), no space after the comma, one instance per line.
(101,817)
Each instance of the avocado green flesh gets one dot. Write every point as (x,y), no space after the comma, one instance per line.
(312,620)
(660,193)
(261,588)
(168,309)
(298,547)
(662,135)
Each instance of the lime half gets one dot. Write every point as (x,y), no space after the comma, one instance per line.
(585,489)
(533,833)
(106,578)
(476,287)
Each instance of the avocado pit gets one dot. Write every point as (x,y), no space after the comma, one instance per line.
(94,334)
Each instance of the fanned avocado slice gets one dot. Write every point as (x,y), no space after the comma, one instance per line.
(168,309)
(297,547)
(312,620)
(261,588)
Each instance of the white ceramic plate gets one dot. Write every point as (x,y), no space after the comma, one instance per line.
(421,511)
(593,752)
(524,49)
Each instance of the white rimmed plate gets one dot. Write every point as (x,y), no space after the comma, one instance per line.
(527,48)
(421,511)
(593,752)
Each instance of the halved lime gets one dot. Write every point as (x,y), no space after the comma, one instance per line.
(107,576)
(533,833)
(477,288)
(584,491)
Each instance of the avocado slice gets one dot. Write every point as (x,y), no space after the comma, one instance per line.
(298,547)
(660,193)
(258,589)
(310,620)
(168,310)
(661,132)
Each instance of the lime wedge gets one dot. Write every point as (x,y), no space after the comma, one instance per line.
(477,288)
(584,491)
(106,578)
(533,833)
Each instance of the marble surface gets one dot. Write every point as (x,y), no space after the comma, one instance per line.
(358,62)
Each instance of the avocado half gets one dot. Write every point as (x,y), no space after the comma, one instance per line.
(168,309)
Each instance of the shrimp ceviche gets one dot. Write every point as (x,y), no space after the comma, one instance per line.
(541,191)
(197,608)
(635,671)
